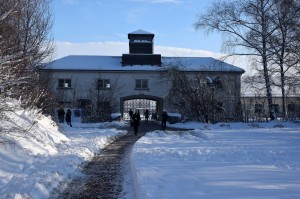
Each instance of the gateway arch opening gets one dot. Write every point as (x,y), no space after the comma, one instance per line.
(141,105)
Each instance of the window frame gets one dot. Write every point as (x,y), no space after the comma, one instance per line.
(66,81)
(102,84)
(258,108)
(276,108)
(219,107)
(141,84)
(291,107)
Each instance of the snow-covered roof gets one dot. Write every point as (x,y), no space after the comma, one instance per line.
(114,63)
(141,32)
(207,64)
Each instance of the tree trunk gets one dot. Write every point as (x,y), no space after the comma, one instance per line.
(265,62)
(269,94)
(283,90)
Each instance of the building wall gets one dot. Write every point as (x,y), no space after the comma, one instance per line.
(83,87)
(228,95)
(84,84)
(256,107)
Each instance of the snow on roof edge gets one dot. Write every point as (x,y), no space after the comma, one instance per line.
(114,63)
(140,32)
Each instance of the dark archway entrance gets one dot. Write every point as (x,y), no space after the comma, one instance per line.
(141,102)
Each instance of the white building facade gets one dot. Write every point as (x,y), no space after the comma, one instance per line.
(131,81)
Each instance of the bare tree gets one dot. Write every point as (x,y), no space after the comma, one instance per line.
(253,87)
(25,43)
(246,25)
(103,100)
(283,43)
(188,95)
(192,95)
(8,56)
(43,96)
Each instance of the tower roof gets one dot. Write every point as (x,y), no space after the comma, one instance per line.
(140,32)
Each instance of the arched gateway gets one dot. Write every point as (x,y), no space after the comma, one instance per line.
(141,102)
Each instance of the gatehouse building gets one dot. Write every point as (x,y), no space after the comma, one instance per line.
(116,84)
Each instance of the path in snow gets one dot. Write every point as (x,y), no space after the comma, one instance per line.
(103,176)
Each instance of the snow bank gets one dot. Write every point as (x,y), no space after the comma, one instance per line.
(30,131)
(36,154)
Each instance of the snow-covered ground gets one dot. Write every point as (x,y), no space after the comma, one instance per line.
(234,160)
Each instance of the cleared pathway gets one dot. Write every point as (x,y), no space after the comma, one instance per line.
(103,176)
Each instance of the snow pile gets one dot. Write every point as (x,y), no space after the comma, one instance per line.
(115,115)
(175,115)
(29,131)
(36,154)
(226,160)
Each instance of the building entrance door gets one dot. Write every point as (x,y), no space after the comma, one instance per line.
(141,105)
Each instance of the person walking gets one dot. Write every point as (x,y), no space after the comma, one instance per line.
(68,117)
(164,118)
(146,114)
(130,114)
(136,122)
(130,117)
(61,114)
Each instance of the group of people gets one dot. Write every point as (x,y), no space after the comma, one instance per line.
(135,119)
(62,114)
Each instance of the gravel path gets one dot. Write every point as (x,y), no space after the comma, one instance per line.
(103,176)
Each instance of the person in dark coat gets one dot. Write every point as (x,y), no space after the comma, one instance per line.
(68,117)
(164,118)
(154,116)
(136,122)
(130,114)
(146,114)
(61,114)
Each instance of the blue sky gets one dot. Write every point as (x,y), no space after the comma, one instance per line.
(81,21)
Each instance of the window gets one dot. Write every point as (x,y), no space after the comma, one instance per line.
(219,107)
(103,84)
(276,108)
(77,113)
(291,107)
(141,84)
(214,82)
(64,83)
(249,107)
(218,84)
(259,108)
